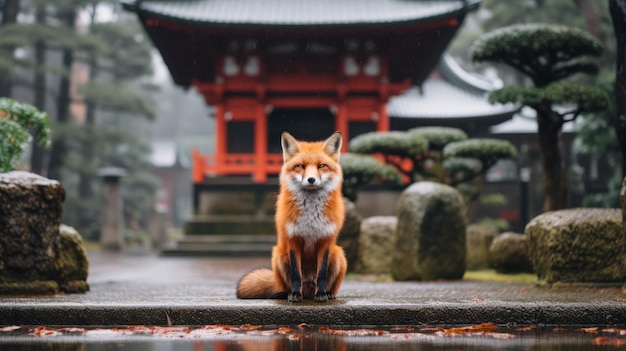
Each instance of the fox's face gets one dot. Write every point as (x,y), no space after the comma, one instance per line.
(311,166)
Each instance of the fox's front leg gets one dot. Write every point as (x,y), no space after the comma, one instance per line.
(322,278)
(295,295)
(332,270)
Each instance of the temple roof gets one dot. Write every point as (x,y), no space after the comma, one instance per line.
(453,94)
(301,12)
(192,34)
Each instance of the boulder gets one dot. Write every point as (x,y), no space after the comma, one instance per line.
(508,253)
(585,245)
(478,239)
(376,243)
(349,236)
(430,235)
(35,258)
(72,262)
(31,208)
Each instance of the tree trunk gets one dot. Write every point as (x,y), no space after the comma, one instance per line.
(555,178)
(59,147)
(39,100)
(9,15)
(88,153)
(618,15)
(592,22)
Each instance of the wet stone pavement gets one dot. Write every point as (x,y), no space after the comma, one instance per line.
(151,290)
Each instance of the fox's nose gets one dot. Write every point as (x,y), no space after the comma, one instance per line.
(311,180)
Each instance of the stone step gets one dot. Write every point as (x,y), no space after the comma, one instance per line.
(221,250)
(242,245)
(229,238)
(211,225)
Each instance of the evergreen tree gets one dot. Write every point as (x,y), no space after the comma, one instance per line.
(118,56)
(547,55)
(618,14)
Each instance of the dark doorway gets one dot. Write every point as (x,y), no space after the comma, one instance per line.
(311,124)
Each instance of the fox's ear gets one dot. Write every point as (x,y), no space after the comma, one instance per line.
(290,146)
(332,145)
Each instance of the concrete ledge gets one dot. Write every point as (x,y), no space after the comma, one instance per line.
(338,313)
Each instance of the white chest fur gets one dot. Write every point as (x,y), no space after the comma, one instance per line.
(311,224)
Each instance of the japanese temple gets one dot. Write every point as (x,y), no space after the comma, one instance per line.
(311,67)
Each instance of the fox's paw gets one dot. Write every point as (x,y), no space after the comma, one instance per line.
(323,297)
(294,297)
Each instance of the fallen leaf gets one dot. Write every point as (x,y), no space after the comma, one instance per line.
(620,331)
(284,330)
(250,327)
(72,330)
(10,328)
(496,335)
(523,329)
(600,340)
(588,330)
(471,329)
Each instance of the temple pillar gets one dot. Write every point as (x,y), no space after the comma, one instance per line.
(220,137)
(382,125)
(260,144)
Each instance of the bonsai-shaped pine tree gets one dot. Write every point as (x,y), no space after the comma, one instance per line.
(547,54)
(16,118)
(362,169)
(440,154)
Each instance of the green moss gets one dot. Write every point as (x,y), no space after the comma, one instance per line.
(490,275)
(38,287)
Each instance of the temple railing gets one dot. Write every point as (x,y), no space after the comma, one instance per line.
(234,164)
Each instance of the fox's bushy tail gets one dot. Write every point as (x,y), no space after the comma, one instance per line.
(259,284)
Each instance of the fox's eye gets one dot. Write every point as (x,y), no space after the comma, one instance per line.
(300,166)
(322,165)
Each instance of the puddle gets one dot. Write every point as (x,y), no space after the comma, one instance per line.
(304,337)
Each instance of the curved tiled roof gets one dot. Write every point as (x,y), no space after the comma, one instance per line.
(440,99)
(301,12)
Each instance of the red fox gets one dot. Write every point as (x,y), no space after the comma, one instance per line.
(306,261)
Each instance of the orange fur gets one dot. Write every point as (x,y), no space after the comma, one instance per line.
(309,216)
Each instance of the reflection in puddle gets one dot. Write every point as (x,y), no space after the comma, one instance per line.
(304,337)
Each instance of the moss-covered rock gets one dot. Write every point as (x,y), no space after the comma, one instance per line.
(72,262)
(349,236)
(508,253)
(430,235)
(478,239)
(35,258)
(31,208)
(585,245)
(376,243)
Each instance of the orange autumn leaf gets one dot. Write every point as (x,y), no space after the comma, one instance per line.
(284,330)
(523,329)
(471,329)
(588,330)
(620,331)
(600,340)
(250,327)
